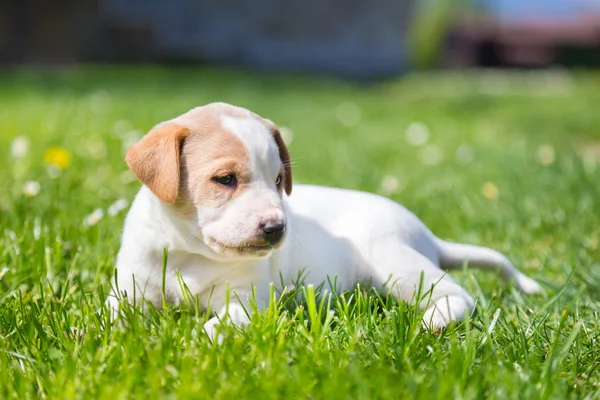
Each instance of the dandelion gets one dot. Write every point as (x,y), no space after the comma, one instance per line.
(591,242)
(117,207)
(57,156)
(94,217)
(99,101)
(289,288)
(546,154)
(589,160)
(96,148)
(391,184)
(348,113)
(417,134)
(431,155)
(75,331)
(37,228)
(490,191)
(13,237)
(31,188)
(122,126)
(464,154)
(19,148)
(53,171)
(96,180)
(286,134)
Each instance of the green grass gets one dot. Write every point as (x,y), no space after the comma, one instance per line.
(55,339)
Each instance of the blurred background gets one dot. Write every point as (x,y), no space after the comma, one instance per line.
(349,38)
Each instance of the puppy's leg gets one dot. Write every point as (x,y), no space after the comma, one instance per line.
(235,313)
(453,256)
(398,268)
(135,290)
(445,310)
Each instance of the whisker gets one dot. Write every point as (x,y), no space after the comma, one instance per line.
(293,161)
(190,238)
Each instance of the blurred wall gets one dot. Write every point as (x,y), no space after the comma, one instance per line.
(46,31)
(353,37)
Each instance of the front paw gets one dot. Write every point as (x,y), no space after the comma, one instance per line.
(234,314)
(211,327)
(527,285)
(446,310)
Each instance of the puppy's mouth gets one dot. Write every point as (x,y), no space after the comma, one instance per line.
(247,248)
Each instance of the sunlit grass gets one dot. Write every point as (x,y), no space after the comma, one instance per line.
(505,160)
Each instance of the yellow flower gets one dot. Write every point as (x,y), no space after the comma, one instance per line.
(546,154)
(489,191)
(58,156)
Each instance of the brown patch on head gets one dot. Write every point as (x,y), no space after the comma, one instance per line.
(212,154)
(155,160)
(179,159)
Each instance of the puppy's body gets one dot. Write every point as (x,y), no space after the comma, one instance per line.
(331,235)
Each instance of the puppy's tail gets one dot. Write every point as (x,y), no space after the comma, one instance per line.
(454,255)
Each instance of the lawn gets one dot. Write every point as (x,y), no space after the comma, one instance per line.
(507,160)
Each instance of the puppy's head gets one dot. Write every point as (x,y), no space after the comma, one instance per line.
(223,170)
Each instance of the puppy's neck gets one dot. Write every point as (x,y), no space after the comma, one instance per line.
(170,224)
(177,230)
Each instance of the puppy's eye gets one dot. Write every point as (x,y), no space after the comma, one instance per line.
(227,180)
(278,180)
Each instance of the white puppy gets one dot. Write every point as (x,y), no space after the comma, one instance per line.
(217,195)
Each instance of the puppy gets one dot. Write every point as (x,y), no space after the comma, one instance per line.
(217,195)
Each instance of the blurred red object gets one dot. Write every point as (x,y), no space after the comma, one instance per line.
(482,40)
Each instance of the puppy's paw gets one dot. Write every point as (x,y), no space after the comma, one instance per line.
(527,285)
(112,303)
(234,315)
(211,329)
(446,310)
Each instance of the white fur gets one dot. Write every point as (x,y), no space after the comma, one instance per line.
(341,235)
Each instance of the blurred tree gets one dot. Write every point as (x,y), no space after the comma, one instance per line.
(430,26)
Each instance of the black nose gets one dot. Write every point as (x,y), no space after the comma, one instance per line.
(272,231)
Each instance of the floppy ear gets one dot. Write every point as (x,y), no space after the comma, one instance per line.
(154,160)
(284,154)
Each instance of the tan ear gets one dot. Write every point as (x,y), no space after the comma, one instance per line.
(155,160)
(284,154)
